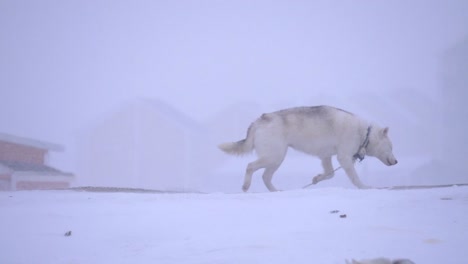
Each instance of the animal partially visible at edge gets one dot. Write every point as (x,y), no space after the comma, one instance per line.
(321,131)
(380,261)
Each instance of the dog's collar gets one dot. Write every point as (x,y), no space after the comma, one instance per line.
(360,155)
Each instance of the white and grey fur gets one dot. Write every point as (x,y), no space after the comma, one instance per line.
(322,131)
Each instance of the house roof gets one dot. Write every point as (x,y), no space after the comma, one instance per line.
(170,111)
(30,142)
(459,48)
(28,167)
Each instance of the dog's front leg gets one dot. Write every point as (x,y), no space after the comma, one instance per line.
(347,163)
(328,171)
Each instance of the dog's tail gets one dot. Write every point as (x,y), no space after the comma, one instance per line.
(240,147)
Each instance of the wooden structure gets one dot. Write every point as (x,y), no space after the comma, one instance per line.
(23,165)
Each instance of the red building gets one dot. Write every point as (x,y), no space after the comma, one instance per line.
(23,165)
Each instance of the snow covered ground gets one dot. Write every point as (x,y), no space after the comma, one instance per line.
(297,226)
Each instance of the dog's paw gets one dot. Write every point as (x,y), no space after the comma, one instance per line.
(317,179)
(364,187)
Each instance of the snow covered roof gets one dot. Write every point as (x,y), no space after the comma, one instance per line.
(30,142)
(28,167)
(460,48)
(170,111)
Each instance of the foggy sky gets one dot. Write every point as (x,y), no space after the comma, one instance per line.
(64,64)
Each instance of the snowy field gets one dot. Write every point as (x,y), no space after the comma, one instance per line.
(297,226)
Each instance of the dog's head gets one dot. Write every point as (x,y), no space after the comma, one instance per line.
(380,146)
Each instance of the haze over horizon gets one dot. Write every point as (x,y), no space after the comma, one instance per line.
(67,64)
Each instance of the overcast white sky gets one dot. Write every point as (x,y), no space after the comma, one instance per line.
(63,63)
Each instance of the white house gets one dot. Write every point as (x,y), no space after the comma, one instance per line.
(454,86)
(145,144)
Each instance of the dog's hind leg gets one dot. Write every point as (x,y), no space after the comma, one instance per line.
(271,149)
(328,171)
(270,163)
(251,168)
(268,175)
(274,157)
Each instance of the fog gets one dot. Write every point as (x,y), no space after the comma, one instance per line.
(165,81)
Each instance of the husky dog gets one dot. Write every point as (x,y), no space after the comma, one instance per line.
(322,131)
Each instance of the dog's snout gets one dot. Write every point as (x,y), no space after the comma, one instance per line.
(391,162)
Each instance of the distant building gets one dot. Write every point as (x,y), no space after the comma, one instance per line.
(455,111)
(145,144)
(23,165)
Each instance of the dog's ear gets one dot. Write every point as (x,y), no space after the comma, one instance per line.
(384,131)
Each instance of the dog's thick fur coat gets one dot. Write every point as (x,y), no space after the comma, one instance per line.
(322,131)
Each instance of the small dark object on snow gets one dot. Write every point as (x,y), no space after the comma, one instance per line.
(343,216)
(446,198)
(334,212)
(68,233)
